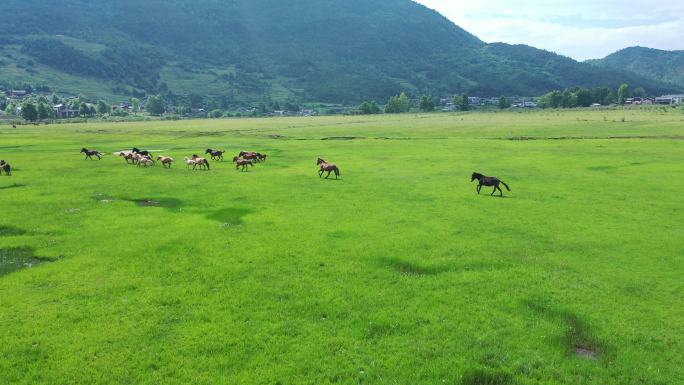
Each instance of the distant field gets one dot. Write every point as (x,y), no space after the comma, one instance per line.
(397,274)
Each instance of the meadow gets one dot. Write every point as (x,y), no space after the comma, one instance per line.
(399,273)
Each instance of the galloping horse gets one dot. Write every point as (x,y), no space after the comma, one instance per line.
(165,160)
(329,167)
(489,181)
(215,154)
(89,154)
(129,157)
(4,166)
(136,150)
(244,163)
(200,162)
(249,155)
(261,157)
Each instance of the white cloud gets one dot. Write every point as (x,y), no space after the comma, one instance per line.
(580,29)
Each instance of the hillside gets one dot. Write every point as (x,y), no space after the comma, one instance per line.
(316,50)
(666,66)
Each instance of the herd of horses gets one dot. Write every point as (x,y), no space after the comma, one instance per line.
(244,160)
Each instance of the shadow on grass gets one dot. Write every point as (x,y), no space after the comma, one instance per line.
(579,340)
(168,203)
(413,268)
(15,185)
(230,216)
(10,231)
(18,258)
(483,376)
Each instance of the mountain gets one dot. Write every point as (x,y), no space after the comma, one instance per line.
(665,66)
(242,50)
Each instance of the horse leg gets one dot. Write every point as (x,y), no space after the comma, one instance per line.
(320,173)
(327,176)
(493,191)
(500,191)
(479,188)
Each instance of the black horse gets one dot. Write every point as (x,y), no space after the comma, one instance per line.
(4,166)
(261,157)
(136,150)
(89,154)
(489,181)
(215,154)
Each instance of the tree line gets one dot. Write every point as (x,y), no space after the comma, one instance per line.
(586,97)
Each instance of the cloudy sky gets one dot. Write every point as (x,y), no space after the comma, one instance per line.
(581,29)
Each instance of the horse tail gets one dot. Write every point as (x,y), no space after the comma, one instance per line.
(504,183)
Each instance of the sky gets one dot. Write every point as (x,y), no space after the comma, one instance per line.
(581,29)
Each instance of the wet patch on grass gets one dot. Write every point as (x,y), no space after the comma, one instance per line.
(343,138)
(626,137)
(168,203)
(483,376)
(411,268)
(11,231)
(579,340)
(230,217)
(14,185)
(19,258)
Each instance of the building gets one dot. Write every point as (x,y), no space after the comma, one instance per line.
(669,99)
(17,94)
(63,111)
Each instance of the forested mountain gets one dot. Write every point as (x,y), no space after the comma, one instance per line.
(314,50)
(666,66)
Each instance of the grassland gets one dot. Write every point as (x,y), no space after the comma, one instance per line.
(397,274)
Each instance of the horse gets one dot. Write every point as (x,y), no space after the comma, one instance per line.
(145,162)
(489,181)
(244,163)
(4,166)
(165,160)
(137,158)
(215,154)
(89,154)
(129,157)
(136,150)
(329,167)
(200,162)
(249,155)
(189,162)
(261,157)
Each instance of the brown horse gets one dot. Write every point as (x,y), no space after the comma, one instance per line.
(249,155)
(244,163)
(200,162)
(329,167)
(165,161)
(129,157)
(89,154)
(4,166)
(488,181)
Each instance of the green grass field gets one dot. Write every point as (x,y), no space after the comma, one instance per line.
(399,273)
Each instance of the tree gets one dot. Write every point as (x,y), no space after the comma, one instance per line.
(569,99)
(623,93)
(83,110)
(215,114)
(155,105)
(29,112)
(427,104)
(136,105)
(3,104)
(639,92)
(504,103)
(44,112)
(102,107)
(369,108)
(584,97)
(398,104)
(461,102)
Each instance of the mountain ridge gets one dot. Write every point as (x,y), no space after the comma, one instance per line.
(314,50)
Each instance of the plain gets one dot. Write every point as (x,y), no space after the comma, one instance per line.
(399,273)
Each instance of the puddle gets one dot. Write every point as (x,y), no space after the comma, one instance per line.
(169,203)
(587,352)
(343,138)
(16,259)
